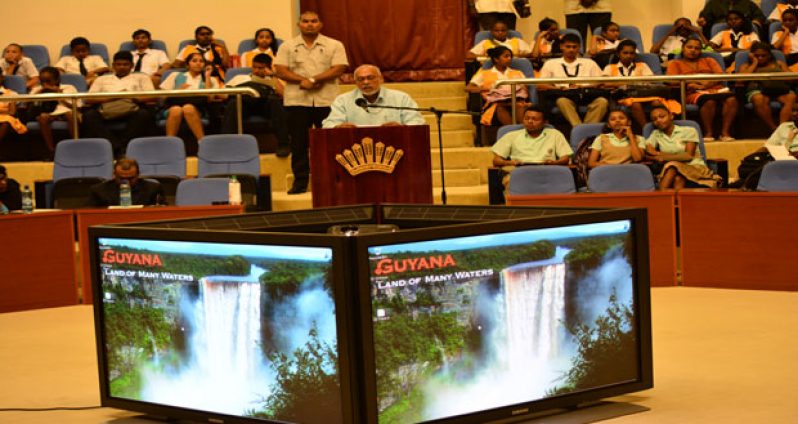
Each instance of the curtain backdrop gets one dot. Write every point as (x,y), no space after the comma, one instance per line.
(410,40)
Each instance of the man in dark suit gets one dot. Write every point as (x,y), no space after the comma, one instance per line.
(142,192)
(10,196)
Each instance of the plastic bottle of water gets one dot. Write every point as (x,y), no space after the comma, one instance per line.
(234,191)
(27,200)
(124,194)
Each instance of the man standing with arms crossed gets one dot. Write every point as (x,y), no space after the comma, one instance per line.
(310,65)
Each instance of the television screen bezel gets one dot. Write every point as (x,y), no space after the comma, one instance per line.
(642,302)
(347,367)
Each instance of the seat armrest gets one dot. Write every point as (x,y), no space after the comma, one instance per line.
(264,193)
(43,193)
(720,167)
(495,186)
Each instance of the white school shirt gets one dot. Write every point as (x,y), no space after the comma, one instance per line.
(26,68)
(134,81)
(193,82)
(61,108)
(559,68)
(153,59)
(71,65)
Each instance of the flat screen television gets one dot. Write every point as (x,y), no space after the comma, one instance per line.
(473,323)
(206,326)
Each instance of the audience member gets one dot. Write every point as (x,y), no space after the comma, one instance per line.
(147,60)
(785,133)
(670,44)
(568,96)
(499,37)
(47,112)
(761,92)
(8,111)
(636,96)
(781,6)
(213,51)
(200,74)
(676,147)
(268,105)
(346,110)
(10,194)
(310,64)
(603,46)
(142,191)
(534,144)
(786,39)
(739,36)
(14,62)
(135,113)
(547,43)
(705,94)
(715,12)
(81,62)
(579,14)
(265,43)
(497,108)
(490,11)
(617,143)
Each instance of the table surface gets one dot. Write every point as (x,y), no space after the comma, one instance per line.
(720,356)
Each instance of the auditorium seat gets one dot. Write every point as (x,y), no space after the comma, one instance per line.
(235,154)
(619,178)
(162,159)
(98,49)
(481,36)
(202,191)
(87,159)
(780,175)
(154,44)
(249,44)
(38,54)
(629,32)
(15,83)
(583,131)
(541,179)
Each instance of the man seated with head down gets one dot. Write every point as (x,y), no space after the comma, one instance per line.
(361,106)
(142,192)
(534,144)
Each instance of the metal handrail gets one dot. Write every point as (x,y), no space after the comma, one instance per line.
(682,80)
(236,91)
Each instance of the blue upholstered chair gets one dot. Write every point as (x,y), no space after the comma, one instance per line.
(201,191)
(616,178)
(583,131)
(541,179)
(154,44)
(99,49)
(38,54)
(780,175)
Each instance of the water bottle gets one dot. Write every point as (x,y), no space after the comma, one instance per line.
(27,200)
(234,191)
(124,194)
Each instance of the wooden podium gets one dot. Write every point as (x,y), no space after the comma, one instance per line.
(378,178)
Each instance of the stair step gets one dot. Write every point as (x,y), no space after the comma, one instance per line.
(450,103)
(452,139)
(449,122)
(457,178)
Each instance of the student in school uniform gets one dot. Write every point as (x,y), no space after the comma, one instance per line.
(14,62)
(81,62)
(265,43)
(149,61)
(47,112)
(786,39)
(214,52)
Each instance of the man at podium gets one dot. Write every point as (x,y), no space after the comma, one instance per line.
(370,104)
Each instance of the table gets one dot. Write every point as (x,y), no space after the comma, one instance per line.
(37,260)
(661,221)
(738,239)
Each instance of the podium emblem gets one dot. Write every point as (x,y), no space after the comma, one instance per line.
(369,157)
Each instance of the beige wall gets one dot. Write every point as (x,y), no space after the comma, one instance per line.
(54,22)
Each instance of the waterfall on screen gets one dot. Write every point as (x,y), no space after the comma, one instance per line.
(534,307)
(227,371)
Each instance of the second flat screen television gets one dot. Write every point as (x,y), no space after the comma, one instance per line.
(465,325)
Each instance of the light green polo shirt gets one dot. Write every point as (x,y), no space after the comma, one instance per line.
(519,145)
(676,142)
(779,137)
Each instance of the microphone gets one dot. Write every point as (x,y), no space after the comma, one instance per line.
(362,103)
